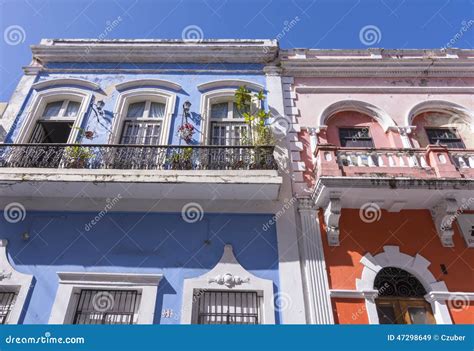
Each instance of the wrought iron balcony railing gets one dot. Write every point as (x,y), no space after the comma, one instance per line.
(139,157)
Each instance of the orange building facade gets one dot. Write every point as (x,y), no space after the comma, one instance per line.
(382,155)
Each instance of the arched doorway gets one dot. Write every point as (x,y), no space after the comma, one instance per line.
(401,298)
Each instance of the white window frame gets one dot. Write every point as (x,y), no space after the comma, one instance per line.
(13,281)
(229,275)
(143,94)
(41,99)
(465,223)
(70,283)
(416,265)
(215,97)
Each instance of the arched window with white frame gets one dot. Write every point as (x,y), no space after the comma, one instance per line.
(143,123)
(143,117)
(55,116)
(227,124)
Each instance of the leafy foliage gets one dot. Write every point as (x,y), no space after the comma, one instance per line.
(250,106)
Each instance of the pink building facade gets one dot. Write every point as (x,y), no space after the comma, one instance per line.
(382,155)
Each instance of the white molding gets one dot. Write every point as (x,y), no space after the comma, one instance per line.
(156,50)
(332,215)
(39,102)
(71,283)
(440,106)
(225,83)
(443,215)
(129,96)
(316,282)
(465,223)
(382,90)
(140,83)
(66,81)
(229,275)
(359,106)
(13,281)
(207,99)
(416,265)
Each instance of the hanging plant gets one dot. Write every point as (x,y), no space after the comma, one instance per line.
(186,132)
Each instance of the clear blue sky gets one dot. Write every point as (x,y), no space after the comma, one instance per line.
(319,23)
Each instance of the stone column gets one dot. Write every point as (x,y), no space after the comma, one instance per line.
(319,308)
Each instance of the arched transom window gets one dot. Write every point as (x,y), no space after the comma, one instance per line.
(55,122)
(143,123)
(401,298)
(227,124)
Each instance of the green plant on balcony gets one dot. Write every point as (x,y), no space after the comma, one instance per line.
(181,158)
(77,156)
(251,107)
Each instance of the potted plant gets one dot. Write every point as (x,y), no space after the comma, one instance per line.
(77,156)
(186,132)
(181,158)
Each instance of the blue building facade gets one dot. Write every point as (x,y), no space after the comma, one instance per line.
(140,233)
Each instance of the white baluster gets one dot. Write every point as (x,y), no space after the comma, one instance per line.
(380,160)
(349,159)
(391,160)
(401,160)
(360,163)
(471,161)
(461,161)
(370,160)
(423,161)
(411,161)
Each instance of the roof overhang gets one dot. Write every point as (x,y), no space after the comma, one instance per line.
(156,51)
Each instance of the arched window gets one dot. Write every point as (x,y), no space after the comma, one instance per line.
(143,116)
(54,116)
(143,123)
(401,298)
(228,125)
(55,122)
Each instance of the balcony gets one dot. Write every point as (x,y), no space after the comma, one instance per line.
(176,172)
(394,178)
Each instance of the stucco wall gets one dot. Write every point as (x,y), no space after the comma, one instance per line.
(138,243)
(414,232)
(109,94)
(396,105)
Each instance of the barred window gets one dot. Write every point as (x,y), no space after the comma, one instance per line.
(143,123)
(355,137)
(7,300)
(107,307)
(445,136)
(224,307)
(228,127)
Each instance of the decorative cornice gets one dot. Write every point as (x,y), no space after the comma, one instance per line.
(155,51)
(228,280)
(137,83)
(383,90)
(306,204)
(215,84)
(66,81)
(109,278)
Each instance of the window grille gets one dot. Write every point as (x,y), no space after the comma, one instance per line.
(446,137)
(107,307)
(223,307)
(355,137)
(7,299)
